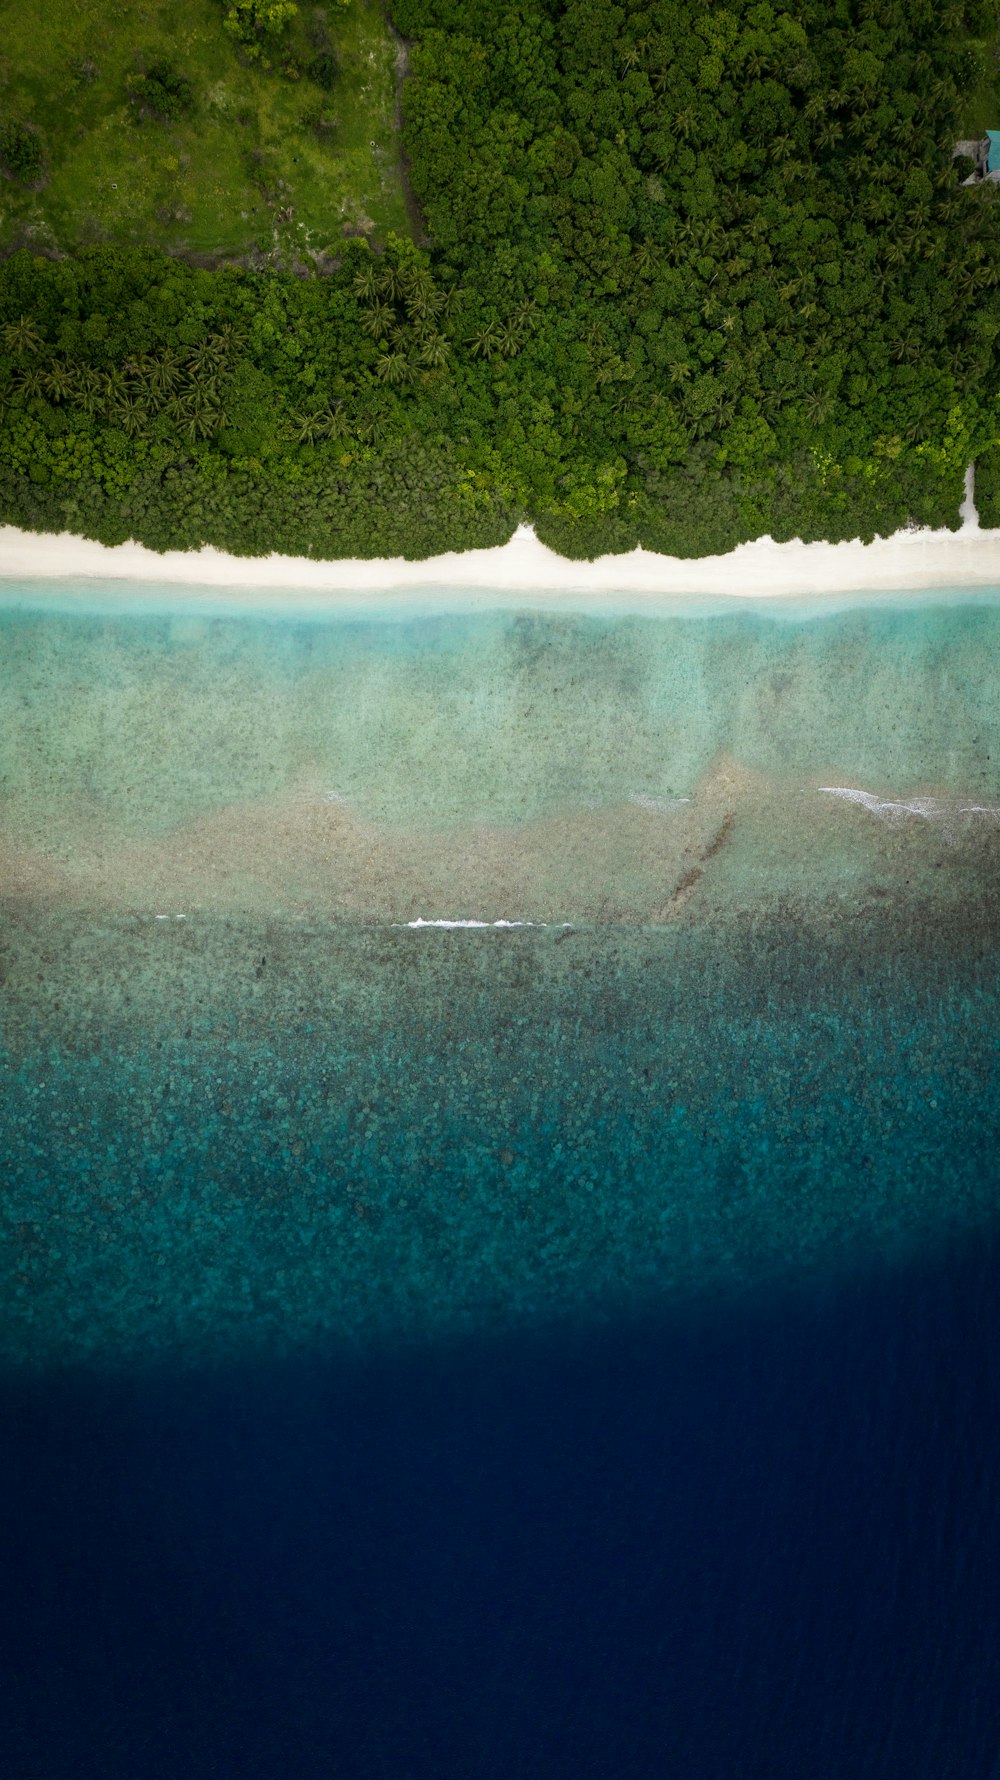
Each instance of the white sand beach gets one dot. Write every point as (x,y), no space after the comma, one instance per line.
(524,571)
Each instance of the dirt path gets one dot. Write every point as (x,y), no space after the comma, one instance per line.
(402,69)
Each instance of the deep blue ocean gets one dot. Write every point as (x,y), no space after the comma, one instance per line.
(554,1349)
(746,1543)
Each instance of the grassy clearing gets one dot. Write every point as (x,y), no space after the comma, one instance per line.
(262,141)
(981,109)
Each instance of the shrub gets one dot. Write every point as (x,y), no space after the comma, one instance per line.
(250,20)
(82,73)
(323,70)
(20,151)
(161,93)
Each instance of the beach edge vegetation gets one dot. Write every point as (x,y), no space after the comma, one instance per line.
(678,276)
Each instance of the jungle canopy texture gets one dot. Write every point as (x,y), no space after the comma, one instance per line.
(686,274)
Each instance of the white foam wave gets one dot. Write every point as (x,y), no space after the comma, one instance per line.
(660,806)
(929,809)
(421,922)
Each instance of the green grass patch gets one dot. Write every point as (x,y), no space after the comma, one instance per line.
(266,157)
(981,106)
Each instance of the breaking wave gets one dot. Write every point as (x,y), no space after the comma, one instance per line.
(421,922)
(929,809)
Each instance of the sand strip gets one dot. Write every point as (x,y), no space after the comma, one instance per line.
(523,572)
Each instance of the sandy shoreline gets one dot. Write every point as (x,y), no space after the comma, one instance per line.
(522,572)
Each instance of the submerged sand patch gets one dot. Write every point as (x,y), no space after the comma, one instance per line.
(739,842)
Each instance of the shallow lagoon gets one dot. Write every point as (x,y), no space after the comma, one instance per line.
(559,1314)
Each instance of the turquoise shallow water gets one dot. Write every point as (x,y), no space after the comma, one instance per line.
(246,1103)
(497,717)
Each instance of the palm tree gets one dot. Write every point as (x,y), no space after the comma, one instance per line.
(524,315)
(974,278)
(701,425)
(392,283)
(904,346)
(89,390)
(204,387)
(228,337)
(31,383)
(115,384)
(130,415)
(484,343)
(377,320)
(202,417)
(509,338)
(817,405)
(21,337)
(163,373)
(420,297)
(448,299)
(921,420)
(433,352)
(877,207)
(306,428)
(371,427)
(326,423)
(393,367)
(176,408)
(208,354)
(365,281)
(58,381)
(707,235)
(335,422)
(913,236)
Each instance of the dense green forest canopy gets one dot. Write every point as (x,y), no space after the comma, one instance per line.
(695,272)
